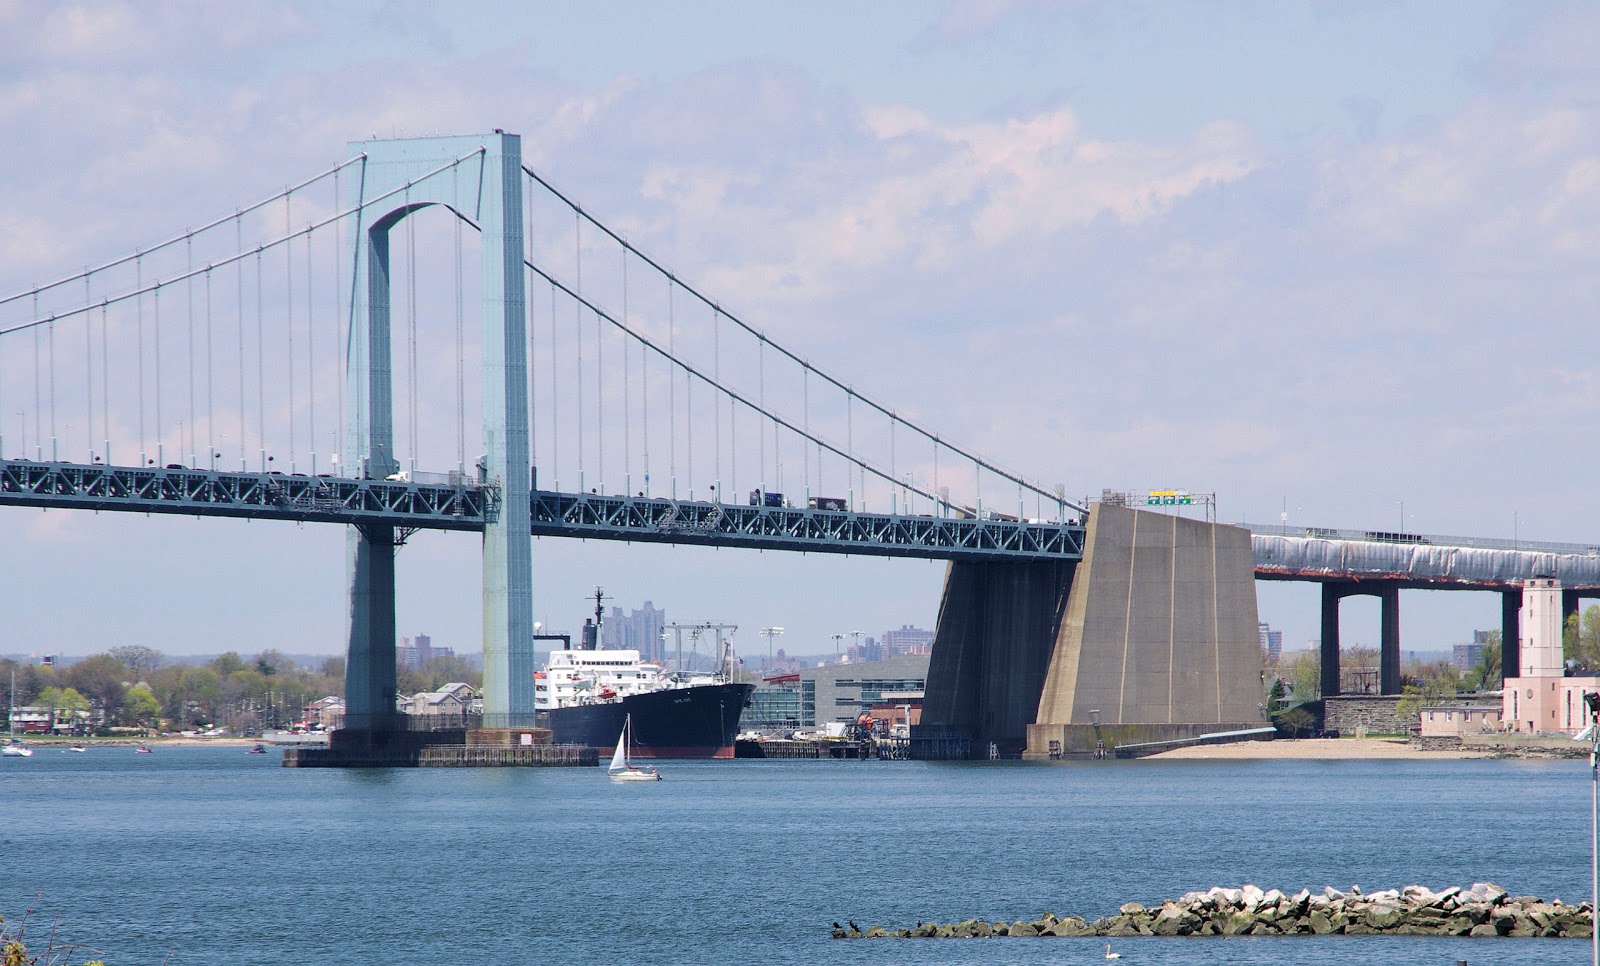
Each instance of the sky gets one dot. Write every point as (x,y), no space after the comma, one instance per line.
(1330,261)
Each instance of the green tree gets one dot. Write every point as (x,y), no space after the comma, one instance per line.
(102,679)
(1580,638)
(1305,676)
(1275,696)
(140,707)
(1297,722)
(201,695)
(227,663)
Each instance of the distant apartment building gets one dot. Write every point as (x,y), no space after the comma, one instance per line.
(841,692)
(907,640)
(639,630)
(1465,657)
(413,653)
(1271,642)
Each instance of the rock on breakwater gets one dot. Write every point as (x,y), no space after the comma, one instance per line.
(1482,910)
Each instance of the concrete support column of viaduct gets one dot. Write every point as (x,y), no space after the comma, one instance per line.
(1388,636)
(481,179)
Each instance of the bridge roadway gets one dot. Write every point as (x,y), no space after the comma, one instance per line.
(1419,561)
(415,505)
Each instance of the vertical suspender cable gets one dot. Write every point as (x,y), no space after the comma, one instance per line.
(88,368)
(461,379)
(105,379)
(716,397)
(805,422)
(155,321)
(644,410)
(342,344)
(38,402)
(577,330)
(411,312)
(672,395)
(555,387)
(288,312)
(51,338)
(600,399)
(533,380)
(138,285)
(188,294)
(211,373)
(311,355)
(238,272)
(627,391)
(261,364)
(850,448)
(761,400)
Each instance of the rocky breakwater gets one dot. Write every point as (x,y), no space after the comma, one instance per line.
(1483,910)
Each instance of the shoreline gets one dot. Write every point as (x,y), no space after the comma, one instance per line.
(1312,749)
(43,744)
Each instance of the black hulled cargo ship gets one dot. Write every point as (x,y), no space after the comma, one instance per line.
(588,692)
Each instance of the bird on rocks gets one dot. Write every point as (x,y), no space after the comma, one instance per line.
(853,925)
(837,926)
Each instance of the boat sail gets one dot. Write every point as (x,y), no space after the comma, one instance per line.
(621,769)
(13,748)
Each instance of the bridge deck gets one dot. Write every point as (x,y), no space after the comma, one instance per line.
(334,499)
(1419,562)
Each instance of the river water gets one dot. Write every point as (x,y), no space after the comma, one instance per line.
(212,856)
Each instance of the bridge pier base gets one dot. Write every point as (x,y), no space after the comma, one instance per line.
(1511,633)
(1331,595)
(369,677)
(1389,640)
(998,623)
(1160,639)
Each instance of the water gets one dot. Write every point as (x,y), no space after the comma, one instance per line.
(216,857)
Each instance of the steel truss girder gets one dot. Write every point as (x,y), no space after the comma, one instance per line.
(258,496)
(411,506)
(783,528)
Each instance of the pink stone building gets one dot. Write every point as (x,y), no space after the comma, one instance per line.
(1542,699)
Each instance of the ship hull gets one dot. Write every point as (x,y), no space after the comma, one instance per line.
(695,722)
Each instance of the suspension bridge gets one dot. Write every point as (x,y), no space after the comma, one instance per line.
(306,357)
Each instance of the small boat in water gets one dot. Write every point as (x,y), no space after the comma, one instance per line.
(141,750)
(15,749)
(78,748)
(257,750)
(622,770)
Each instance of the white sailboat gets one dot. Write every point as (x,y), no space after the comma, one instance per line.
(13,748)
(621,769)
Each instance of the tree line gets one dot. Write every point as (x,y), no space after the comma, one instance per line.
(138,686)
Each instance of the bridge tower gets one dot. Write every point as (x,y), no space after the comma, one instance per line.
(479,178)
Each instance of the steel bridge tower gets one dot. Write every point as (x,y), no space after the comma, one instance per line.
(479,178)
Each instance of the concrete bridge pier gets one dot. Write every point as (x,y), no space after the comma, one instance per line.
(997,629)
(1510,633)
(1388,636)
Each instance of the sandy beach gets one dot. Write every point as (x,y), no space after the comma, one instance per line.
(1318,748)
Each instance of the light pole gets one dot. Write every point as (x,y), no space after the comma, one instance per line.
(769,633)
(837,639)
(1402,516)
(1591,700)
(855,639)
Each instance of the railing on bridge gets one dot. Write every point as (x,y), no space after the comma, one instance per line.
(460,505)
(1422,539)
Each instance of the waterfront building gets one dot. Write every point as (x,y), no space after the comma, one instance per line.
(1543,699)
(1455,720)
(775,707)
(841,692)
